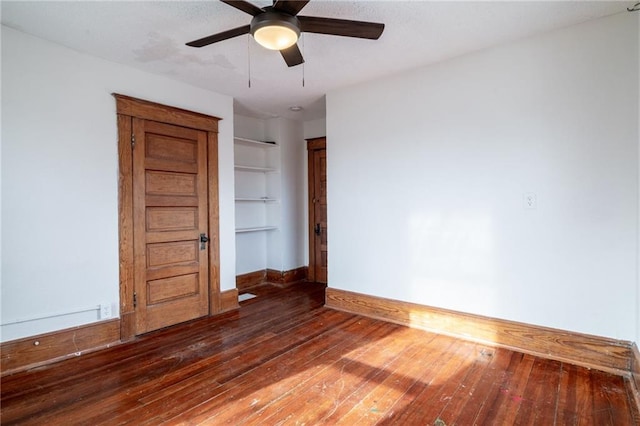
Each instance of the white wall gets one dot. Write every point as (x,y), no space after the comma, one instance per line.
(286,248)
(249,127)
(60,179)
(427,172)
(315,128)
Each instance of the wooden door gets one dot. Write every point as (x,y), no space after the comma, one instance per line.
(317,209)
(170,224)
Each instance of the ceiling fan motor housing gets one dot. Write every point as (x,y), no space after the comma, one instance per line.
(277,24)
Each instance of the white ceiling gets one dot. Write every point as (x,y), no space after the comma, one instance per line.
(151,36)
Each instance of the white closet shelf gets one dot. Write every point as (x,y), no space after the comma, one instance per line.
(255,229)
(255,169)
(258,199)
(253,142)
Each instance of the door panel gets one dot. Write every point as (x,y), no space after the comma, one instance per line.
(164,183)
(167,289)
(160,147)
(172,218)
(166,254)
(170,212)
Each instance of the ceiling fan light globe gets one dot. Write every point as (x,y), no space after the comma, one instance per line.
(275,37)
(275,30)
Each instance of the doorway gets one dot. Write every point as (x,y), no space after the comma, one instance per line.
(318,236)
(168,215)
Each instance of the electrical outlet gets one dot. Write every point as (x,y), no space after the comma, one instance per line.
(105,311)
(530,201)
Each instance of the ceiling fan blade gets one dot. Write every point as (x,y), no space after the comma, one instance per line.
(341,27)
(292,56)
(292,7)
(214,38)
(244,6)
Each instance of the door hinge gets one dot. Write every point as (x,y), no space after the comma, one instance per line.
(135,299)
(133,140)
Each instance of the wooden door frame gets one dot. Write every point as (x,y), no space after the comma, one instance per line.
(312,145)
(128,108)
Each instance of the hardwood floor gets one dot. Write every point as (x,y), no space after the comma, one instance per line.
(285,359)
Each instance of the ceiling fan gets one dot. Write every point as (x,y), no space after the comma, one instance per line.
(278,27)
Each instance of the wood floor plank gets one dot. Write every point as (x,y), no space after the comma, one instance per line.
(574,383)
(427,359)
(480,392)
(303,356)
(359,389)
(270,382)
(434,389)
(153,361)
(541,393)
(503,408)
(608,397)
(224,364)
(482,359)
(420,378)
(276,396)
(324,393)
(283,358)
(306,355)
(255,317)
(620,413)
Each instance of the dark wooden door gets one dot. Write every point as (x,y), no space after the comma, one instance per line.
(170,226)
(317,209)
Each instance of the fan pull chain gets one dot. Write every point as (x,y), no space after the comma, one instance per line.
(304,55)
(249,57)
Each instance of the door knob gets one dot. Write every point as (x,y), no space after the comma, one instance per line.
(203,240)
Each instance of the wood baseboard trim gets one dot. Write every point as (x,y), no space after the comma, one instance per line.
(271,276)
(251,279)
(229,300)
(635,374)
(601,353)
(29,352)
(287,277)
